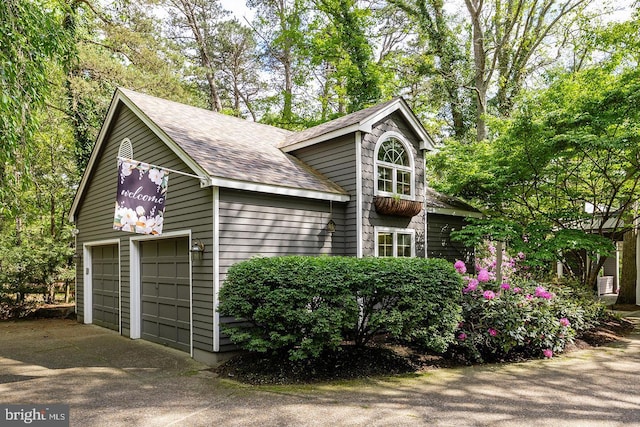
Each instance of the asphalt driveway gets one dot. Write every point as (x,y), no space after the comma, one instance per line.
(110,380)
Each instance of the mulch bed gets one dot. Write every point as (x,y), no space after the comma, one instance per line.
(384,358)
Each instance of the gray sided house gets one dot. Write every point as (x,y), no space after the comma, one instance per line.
(354,186)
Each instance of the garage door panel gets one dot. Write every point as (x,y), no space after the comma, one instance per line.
(166,292)
(183,293)
(167,311)
(150,327)
(149,309)
(184,314)
(105,284)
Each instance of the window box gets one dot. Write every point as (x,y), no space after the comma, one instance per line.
(396,206)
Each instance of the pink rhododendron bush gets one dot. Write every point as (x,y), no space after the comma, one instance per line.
(519,317)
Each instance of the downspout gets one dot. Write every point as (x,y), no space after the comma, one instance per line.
(424,204)
(358,141)
(216,267)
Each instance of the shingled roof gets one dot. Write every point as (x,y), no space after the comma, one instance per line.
(228,147)
(441,203)
(362,120)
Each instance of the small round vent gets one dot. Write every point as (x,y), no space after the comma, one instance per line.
(126,149)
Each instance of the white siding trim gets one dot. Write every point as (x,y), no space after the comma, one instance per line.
(87,287)
(359,213)
(424,205)
(320,138)
(135,309)
(216,268)
(454,212)
(366,125)
(274,189)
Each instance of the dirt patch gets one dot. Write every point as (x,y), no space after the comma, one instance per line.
(384,358)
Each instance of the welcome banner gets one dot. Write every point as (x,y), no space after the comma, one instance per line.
(142,191)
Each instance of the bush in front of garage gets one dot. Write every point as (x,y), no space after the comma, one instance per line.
(304,306)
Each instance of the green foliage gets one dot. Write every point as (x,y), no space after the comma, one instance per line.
(543,244)
(573,145)
(353,51)
(413,299)
(32,265)
(32,41)
(295,304)
(522,318)
(305,305)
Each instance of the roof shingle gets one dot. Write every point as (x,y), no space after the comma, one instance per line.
(229,147)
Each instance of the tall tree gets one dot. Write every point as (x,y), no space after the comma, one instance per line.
(196,22)
(349,23)
(116,44)
(572,145)
(235,56)
(32,38)
(438,38)
(506,36)
(280,25)
(507,46)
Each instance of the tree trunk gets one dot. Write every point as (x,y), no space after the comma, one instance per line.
(627,292)
(480,61)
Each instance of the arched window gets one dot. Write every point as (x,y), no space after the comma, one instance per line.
(394,167)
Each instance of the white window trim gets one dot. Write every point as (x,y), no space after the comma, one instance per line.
(412,167)
(394,231)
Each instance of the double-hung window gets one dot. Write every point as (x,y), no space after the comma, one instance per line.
(392,242)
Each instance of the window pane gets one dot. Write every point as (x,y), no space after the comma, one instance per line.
(404,245)
(385,244)
(385,179)
(392,151)
(403,184)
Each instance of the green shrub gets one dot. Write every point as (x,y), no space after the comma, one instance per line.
(306,305)
(414,299)
(295,304)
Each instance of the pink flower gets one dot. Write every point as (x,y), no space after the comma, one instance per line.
(529,297)
(462,336)
(472,286)
(483,276)
(505,286)
(492,332)
(521,255)
(517,290)
(565,322)
(489,295)
(460,267)
(543,293)
(548,353)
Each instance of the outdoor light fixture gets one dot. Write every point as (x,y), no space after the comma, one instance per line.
(197,248)
(331,226)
